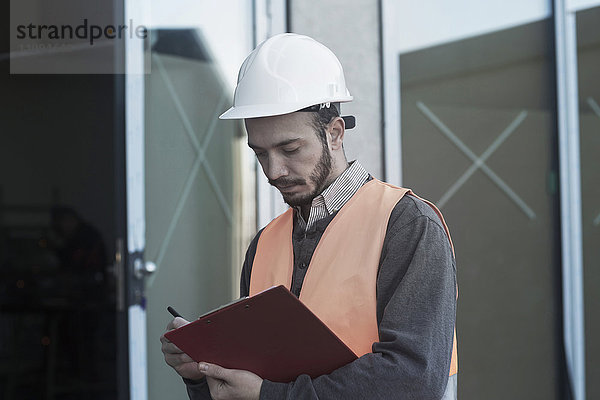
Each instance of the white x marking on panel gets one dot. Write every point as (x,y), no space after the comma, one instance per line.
(199,161)
(479,162)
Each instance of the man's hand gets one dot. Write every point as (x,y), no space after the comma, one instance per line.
(181,362)
(231,384)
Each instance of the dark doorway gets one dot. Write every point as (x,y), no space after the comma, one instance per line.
(58,228)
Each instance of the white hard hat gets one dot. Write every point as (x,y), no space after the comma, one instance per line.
(287,73)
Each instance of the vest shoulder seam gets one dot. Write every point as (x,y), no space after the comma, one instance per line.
(417,217)
(420,207)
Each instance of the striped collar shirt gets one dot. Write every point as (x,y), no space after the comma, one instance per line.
(335,195)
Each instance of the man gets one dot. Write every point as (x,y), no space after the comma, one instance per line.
(373,261)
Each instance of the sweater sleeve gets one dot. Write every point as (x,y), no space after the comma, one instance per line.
(197,390)
(247,266)
(416,306)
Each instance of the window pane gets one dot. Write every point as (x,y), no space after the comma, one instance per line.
(588,48)
(192,166)
(479,139)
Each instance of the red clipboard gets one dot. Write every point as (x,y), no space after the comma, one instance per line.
(272,334)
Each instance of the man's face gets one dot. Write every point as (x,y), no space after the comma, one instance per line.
(291,155)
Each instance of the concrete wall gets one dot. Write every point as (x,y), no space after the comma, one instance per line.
(351,31)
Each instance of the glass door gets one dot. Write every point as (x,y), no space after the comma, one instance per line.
(478,138)
(188,177)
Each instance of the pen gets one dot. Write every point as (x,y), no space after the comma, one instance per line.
(173,312)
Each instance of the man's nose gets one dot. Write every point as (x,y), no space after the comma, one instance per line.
(276,168)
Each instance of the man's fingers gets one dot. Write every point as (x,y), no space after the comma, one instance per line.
(168,347)
(214,371)
(164,340)
(174,359)
(184,358)
(189,370)
(226,383)
(176,323)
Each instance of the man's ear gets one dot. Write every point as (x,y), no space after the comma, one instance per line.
(336,131)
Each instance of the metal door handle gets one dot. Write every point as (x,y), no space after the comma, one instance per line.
(142,269)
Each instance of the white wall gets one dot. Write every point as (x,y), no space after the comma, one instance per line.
(351,31)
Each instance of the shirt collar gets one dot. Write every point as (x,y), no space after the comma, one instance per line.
(336,194)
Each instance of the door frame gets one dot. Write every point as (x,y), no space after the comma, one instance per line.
(269,17)
(567,81)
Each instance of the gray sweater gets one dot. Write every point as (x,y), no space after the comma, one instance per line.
(416,308)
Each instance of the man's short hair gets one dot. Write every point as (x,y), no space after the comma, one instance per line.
(320,120)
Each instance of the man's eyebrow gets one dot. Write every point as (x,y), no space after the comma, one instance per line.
(282,143)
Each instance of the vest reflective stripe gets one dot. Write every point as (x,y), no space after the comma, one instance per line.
(341,281)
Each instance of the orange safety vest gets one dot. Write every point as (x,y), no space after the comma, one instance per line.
(341,280)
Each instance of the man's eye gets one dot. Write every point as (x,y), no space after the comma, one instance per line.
(291,151)
(260,155)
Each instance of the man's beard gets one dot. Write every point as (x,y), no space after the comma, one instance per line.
(318,177)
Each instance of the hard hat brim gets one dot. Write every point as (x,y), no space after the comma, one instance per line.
(269,110)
